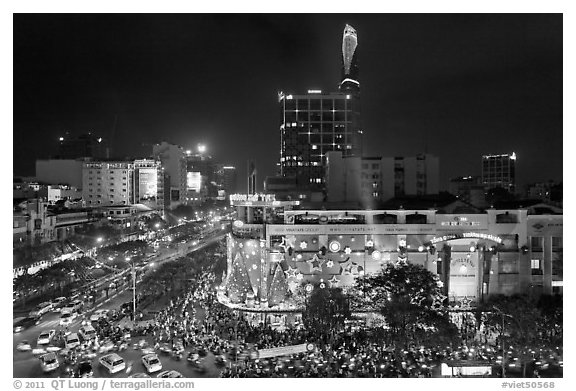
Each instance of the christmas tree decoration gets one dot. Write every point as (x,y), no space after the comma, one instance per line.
(315,264)
(238,285)
(278,287)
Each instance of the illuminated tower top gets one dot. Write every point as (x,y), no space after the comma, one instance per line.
(349,61)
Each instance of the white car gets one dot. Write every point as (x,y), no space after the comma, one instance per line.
(41,309)
(87,332)
(45,337)
(23,346)
(49,362)
(67,318)
(72,341)
(113,362)
(97,315)
(169,374)
(151,362)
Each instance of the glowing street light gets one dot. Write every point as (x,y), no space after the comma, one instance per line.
(99,239)
(201,148)
(157,225)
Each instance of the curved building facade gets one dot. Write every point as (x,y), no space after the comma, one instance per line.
(275,249)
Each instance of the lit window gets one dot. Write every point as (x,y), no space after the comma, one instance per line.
(314,146)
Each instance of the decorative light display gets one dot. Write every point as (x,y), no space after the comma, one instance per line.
(299,276)
(330,263)
(291,272)
(303,245)
(309,288)
(376,255)
(420,248)
(315,264)
(334,282)
(334,246)
(370,243)
(347,250)
(299,256)
(322,285)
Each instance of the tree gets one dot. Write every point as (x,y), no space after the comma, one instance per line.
(278,287)
(326,310)
(410,298)
(521,319)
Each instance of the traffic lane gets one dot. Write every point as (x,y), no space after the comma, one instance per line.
(26,365)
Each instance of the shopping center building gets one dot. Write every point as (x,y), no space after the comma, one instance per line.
(278,247)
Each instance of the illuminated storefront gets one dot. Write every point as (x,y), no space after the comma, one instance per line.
(275,249)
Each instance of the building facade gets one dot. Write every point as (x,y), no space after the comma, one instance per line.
(173,160)
(60,172)
(83,146)
(499,171)
(148,183)
(369,180)
(313,124)
(469,189)
(474,255)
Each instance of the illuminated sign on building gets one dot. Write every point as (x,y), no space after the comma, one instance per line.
(252,197)
(147,183)
(475,235)
(194,181)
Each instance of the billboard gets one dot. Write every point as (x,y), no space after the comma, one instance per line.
(147,183)
(194,181)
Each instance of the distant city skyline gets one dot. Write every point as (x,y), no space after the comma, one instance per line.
(456,86)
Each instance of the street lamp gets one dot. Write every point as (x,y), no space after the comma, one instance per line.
(99,239)
(503,345)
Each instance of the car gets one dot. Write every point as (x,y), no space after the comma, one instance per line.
(151,362)
(41,309)
(67,318)
(106,346)
(24,346)
(113,362)
(139,374)
(45,337)
(67,309)
(72,341)
(26,323)
(84,369)
(49,362)
(58,303)
(169,374)
(87,332)
(98,314)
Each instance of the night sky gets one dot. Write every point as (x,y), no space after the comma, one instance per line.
(459,85)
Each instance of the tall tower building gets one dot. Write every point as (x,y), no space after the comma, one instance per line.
(310,126)
(499,171)
(350,73)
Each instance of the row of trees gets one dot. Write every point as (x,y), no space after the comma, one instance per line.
(410,299)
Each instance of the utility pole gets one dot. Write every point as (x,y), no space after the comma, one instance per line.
(503,345)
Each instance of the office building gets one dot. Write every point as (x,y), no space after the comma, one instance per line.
(313,124)
(369,180)
(468,189)
(173,158)
(499,171)
(85,145)
(350,71)
(108,183)
(60,172)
